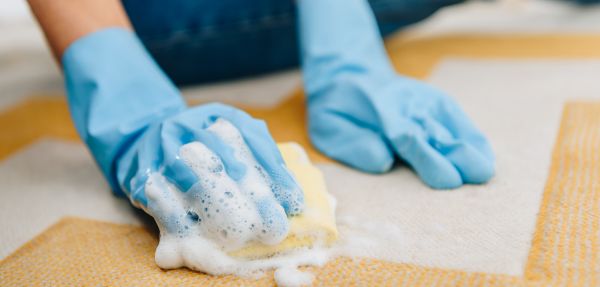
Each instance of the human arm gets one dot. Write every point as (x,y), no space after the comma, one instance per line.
(136,124)
(64,21)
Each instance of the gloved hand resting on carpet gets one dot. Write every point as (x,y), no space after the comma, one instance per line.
(362,113)
(212,169)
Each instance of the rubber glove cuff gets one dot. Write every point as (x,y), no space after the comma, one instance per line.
(115,91)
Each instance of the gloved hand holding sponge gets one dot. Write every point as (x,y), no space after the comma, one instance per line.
(213,178)
(212,166)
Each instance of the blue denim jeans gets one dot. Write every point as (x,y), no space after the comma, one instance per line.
(197,41)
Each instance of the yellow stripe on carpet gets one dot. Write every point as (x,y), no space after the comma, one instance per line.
(564,250)
(91,253)
(417,57)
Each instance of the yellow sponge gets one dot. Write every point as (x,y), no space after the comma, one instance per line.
(316,223)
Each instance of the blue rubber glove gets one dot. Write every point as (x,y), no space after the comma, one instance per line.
(362,113)
(135,122)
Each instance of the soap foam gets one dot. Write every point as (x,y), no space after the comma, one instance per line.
(199,226)
(291,277)
(255,184)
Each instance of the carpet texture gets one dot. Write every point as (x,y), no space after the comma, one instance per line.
(564,250)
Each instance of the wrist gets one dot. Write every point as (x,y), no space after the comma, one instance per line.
(115,91)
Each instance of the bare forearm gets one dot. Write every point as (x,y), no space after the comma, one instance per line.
(64,21)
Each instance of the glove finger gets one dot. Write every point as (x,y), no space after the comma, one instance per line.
(461,127)
(257,137)
(175,170)
(351,143)
(233,166)
(164,205)
(151,190)
(256,184)
(275,225)
(433,168)
(284,185)
(474,166)
(142,153)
